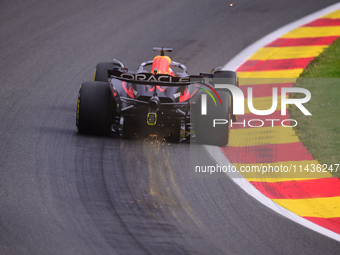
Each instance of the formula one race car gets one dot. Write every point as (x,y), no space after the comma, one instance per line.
(173,106)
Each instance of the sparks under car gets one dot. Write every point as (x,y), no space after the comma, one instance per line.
(159,100)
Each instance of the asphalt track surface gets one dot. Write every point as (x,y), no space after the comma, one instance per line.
(63,193)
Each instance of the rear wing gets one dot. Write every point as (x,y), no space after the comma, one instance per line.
(157,79)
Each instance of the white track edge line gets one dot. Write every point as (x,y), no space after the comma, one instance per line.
(221,159)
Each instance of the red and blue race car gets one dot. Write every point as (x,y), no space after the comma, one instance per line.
(160,100)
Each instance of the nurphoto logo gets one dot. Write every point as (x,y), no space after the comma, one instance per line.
(238,103)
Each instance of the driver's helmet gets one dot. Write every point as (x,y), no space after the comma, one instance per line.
(161,65)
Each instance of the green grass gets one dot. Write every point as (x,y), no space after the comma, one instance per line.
(320,133)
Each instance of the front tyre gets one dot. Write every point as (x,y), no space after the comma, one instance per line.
(231,76)
(100,73)
(94,108)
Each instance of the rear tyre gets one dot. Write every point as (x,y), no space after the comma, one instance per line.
(175,135)
(205,132)
(130,128)
(100,73)
(227,77)
(94,109)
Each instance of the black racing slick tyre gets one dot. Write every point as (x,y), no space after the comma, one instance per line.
(100,73)
(94,108)
(227,77)
(131,128)
(173,134)
(212,128)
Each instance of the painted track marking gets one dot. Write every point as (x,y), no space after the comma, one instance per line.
(299,33)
